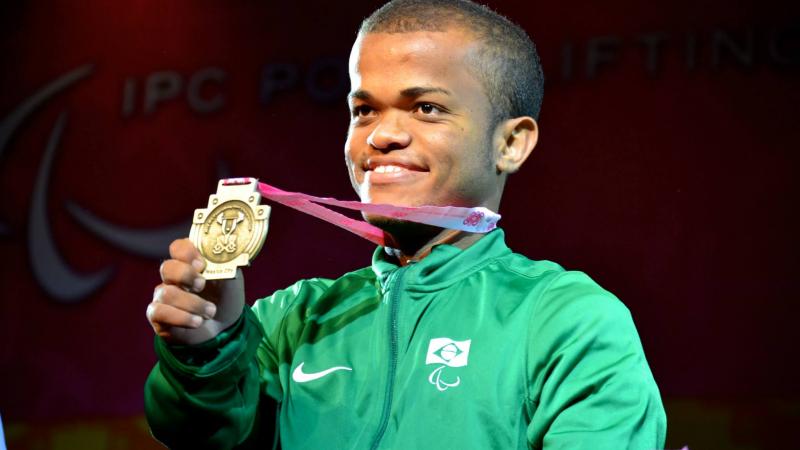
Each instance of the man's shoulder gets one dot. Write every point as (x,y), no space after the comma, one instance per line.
(554,285)
(523,266)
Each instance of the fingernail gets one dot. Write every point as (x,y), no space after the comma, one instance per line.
(198,284)
(211,311)
(198,265)
(196,320)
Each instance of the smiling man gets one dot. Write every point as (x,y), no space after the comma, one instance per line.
(449,339)
(424,130)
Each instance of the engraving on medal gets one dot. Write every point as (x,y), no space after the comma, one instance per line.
(230,232)
(226,231)
(226,242)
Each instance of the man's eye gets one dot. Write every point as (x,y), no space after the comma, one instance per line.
(362,111)
(429,108)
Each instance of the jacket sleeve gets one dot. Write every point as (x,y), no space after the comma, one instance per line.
(591,387)
(207,395)
(216,394)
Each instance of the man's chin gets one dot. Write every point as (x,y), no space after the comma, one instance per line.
(383,222)
(402,229)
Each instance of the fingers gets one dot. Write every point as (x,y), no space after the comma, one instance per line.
(184,250)
(162,316)
(179,273)
(174,307)
(176,297)
(177,312)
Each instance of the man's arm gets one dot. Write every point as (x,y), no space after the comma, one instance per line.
(591,387)
(205,390)
(207,395)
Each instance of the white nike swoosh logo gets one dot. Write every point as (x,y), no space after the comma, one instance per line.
(301,377)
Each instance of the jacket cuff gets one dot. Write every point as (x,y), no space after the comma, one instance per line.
(229,353)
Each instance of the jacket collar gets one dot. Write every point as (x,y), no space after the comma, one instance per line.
(445,265)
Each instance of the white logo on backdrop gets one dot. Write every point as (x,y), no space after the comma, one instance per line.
(52,272)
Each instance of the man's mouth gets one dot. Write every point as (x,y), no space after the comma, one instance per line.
(389,169)
(387,173)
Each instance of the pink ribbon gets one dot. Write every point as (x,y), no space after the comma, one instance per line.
(475,220)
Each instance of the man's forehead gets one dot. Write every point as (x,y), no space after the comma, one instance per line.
(414,55)
(407,65)
(454,39)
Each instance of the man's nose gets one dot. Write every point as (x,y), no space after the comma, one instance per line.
(389,134)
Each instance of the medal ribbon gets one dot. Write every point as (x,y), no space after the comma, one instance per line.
(475,220)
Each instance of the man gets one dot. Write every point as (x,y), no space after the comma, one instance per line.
(448,341)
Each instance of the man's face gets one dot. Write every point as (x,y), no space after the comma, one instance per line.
(419,131)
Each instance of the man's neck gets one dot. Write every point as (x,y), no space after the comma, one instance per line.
(415,249)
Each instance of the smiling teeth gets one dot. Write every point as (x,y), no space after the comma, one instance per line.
(388,169)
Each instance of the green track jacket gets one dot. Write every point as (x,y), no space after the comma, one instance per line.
(467,349)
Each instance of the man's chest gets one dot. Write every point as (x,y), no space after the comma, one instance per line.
(439,367)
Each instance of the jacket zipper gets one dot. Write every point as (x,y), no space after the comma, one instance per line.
(394,306)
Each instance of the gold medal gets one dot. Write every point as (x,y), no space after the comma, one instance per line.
(230,232)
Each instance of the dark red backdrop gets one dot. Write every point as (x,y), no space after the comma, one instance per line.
(666,170)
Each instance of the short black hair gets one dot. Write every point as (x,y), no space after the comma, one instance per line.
(507,64)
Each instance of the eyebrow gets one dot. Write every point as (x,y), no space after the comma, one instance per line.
(412,92)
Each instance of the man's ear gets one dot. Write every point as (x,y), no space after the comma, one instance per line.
(516,140)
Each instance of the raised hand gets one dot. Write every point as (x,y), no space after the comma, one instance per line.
(188,309)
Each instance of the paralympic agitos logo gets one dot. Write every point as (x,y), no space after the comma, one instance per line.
(50,269)
(324,80)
